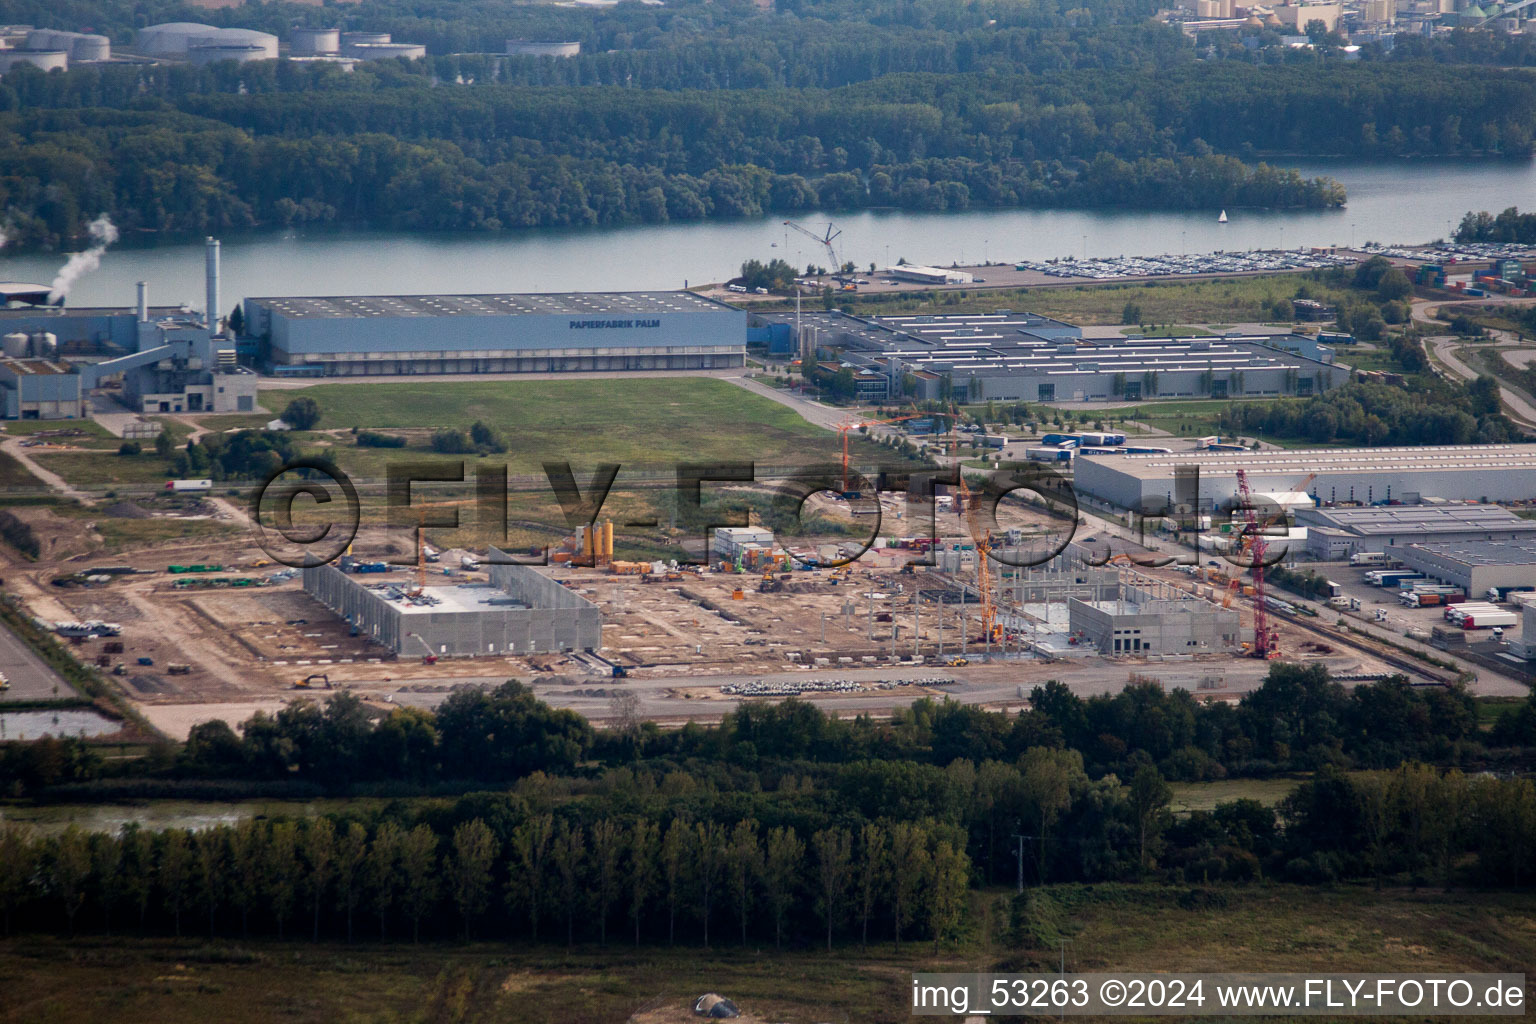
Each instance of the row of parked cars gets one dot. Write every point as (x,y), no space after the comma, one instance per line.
(1200,263)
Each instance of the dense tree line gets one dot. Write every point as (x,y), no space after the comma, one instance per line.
(243,454)
(1509,226)
(521,874)
(178,151)
(1298,720)
(1373,414)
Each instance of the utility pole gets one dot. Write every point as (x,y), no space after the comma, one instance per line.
(1020,861)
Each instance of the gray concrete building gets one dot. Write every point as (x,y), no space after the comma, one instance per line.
(1486,472)
(1153,621)
(1336,533)
(520,611)
(364,335)
(1475,565)
(38,389)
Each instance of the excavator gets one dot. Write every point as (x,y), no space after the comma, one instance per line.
(312,682)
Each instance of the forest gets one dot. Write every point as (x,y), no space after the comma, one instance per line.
(703,110)
(788,826)
(1509,226)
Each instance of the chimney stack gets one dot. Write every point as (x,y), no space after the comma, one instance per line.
(143,303)
(211,316)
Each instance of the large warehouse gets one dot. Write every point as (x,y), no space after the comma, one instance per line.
(1475,566)
(1009,356)
(520,611)
(1337,533)
(367,335)
(1489,472)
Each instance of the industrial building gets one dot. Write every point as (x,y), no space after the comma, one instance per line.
(927,275)
(1336,533)
(168,359)
(1487,472)
(1153,619)
(38,389)
(365,335)
(1475,566)
(1008,356)
(520,611)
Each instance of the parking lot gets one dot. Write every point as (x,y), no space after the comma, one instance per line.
(1399,618)
(1109,268)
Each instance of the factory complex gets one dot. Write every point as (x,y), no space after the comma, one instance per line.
(1018,356)
(162,360)
(1334,476)
(400,334)
(1334,534)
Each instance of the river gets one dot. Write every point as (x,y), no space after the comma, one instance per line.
(1391,202)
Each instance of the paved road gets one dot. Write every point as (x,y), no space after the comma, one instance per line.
(812,412)
(30,678)
(1442,350)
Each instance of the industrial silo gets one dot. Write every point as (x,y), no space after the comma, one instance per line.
(15,345)
(314,42)
(171,39)
(89,47)
(45,345)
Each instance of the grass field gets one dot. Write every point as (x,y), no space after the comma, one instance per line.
(647,420)
(14,474)
(1230,300)
(1204,796)
(1104,928)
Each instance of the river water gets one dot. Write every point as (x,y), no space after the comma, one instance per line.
(1391,202)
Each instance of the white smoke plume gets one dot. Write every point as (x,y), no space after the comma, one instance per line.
(103,233)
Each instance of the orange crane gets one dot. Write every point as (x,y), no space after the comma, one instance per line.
(844,428)
(421,525)
(1266,642)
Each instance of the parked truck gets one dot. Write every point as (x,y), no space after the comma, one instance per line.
(1368,558)
(189,486)
(1487,620)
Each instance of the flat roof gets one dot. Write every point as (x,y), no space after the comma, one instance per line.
(1482,552)
(33,367)
(1471,458)
(65,312)
(507,304)
(481,597)
(1390,519)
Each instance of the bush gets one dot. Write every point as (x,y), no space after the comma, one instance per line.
(129,448)
(449,441)
(302,413)
(374,439)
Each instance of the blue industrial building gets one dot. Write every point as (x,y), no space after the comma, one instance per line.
(370,335)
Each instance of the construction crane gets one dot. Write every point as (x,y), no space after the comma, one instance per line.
(825,241)
(844,428)
(1266,642)
(990,630)
(421,537)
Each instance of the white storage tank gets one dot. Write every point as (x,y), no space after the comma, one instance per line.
(43,60)
(172,38)
(364,38)
(45,345)
(211,53)
(314,42)
(16,345)
(539,48)
(235,37)
(387,51)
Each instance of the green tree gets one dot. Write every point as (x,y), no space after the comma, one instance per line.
(530,849)
(948,882)
(69,867)
(302,413)
(382,872)
(745,855)
(675,865)
(280,869)
(709,857)
(871,876)
(1149,801)
(568,855)
(174,874)
(351,861)
(781,870)
(472,858)
(834,869)
(643,851)
(318,845)
(607,848)
(907,867)
(418,875)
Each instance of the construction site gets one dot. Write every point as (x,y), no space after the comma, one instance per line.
(862,625)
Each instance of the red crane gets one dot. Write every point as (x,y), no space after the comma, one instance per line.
(1266,642)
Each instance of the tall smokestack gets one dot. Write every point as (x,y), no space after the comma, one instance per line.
(211,317)
(143,303)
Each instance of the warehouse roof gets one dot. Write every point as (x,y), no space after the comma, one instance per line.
(1301,461)
(1393,519)
(1483,552)
(471,598)
(549,304)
